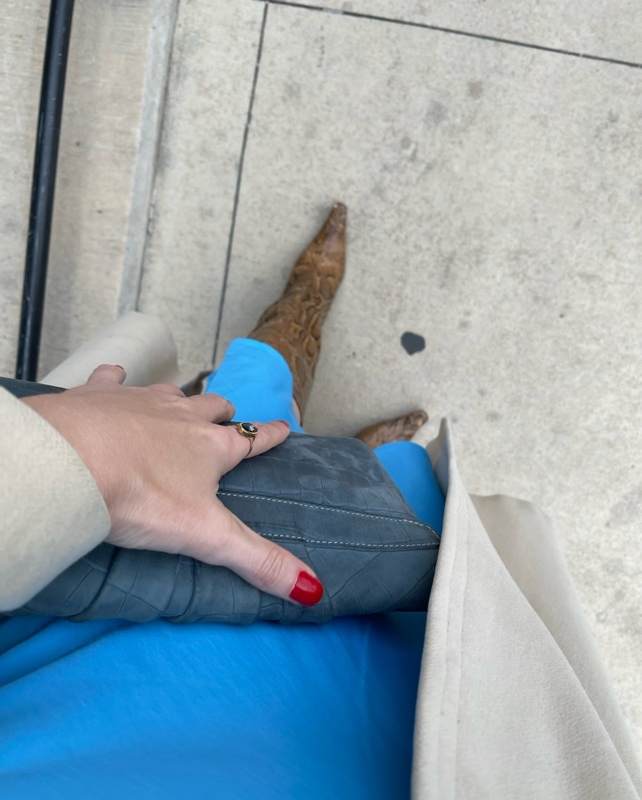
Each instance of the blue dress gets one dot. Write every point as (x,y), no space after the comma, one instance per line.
(113,709)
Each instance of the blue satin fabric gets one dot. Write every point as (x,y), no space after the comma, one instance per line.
(114,709)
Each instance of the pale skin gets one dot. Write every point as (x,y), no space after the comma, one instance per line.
(157,458)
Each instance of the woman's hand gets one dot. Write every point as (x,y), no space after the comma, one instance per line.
(157,458)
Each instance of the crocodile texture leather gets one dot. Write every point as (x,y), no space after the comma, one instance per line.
(327,500)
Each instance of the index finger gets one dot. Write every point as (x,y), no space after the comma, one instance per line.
(211,407)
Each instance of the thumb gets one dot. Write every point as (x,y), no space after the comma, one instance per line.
(260,562)
(107,375)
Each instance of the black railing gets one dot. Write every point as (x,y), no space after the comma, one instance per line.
(43,187)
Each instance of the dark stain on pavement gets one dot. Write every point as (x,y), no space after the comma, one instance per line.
(412,343)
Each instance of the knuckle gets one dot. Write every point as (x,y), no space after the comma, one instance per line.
(272,567)
(220,403)
(168,388)
(223,443)
(210,436)
(227,438)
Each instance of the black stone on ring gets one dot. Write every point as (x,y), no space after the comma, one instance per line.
(249,431)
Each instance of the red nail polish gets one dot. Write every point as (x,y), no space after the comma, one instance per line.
(283,422)
(307,589)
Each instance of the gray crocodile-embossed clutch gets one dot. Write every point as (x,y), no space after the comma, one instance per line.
(327,500)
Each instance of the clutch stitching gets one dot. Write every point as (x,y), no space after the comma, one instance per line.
(402,546)
(243,495)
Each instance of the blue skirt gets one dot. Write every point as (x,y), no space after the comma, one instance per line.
(114,709)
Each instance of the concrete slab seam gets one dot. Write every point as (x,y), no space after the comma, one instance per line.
(237,193)
(455,32)
(158,63)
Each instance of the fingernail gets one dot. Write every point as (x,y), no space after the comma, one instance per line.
(283,422)
(118,366)
(307,589)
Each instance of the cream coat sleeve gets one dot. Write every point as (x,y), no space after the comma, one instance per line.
(51,511)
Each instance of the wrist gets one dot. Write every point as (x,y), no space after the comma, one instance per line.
(80,434)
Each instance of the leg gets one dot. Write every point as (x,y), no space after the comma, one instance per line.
(293,324)
(257,380)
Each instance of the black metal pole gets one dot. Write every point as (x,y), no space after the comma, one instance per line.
(43,187)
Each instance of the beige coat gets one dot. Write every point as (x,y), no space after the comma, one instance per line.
(513,700)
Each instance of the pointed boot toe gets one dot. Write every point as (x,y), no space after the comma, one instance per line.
(398,429)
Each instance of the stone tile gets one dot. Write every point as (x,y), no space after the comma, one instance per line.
(21,50)
(209,90)
(493,195)
(608,30)
(107,142)
(102,143)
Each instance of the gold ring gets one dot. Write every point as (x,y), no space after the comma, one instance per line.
(249,431)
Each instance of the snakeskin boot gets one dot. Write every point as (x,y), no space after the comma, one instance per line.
(401,429)
(293,324)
